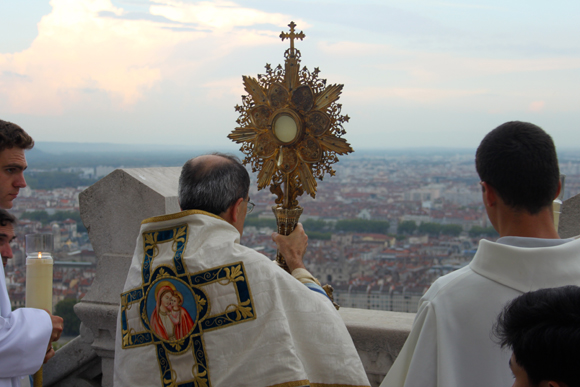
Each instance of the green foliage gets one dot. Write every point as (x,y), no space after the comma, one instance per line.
(362,226)
(451,229)
(406,227)
(72,323)
(314,225)
(54,179)
(476,231)
(326,236)
(430,228)
(256,222)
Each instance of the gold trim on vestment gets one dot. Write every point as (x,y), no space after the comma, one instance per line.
(178,215)
(337,385)
(300,383)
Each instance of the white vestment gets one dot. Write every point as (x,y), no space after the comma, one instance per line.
(24,337)
(450,344)
(243,320)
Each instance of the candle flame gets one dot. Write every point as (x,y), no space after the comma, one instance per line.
(39,255)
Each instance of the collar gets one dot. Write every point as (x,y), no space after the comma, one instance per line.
(528,268)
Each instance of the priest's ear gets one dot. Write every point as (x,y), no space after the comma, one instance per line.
(489,194)
(236,210)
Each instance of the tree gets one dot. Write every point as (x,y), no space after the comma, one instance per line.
(476,231)
(257,222)
(362,226)
(40,216)
(432,229)
(407,227)
(65,309)
(319,235)
(451,229)
(314,225)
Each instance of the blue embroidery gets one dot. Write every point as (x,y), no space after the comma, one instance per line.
(169,292)
(316,288)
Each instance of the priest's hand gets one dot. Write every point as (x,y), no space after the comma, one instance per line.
(57,327)
(292,247)
(49,354)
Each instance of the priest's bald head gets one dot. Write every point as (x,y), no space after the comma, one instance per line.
(218,184)
(520,178)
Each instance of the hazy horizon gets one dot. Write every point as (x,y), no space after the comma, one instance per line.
(416,73)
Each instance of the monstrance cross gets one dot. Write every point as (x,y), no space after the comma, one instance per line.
(291,36)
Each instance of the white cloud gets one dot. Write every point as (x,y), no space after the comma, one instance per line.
(85,46)
(218,15)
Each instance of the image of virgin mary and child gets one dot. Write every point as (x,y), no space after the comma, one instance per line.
(170,320)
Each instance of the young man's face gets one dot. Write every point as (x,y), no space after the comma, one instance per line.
(6,236)
(12,166)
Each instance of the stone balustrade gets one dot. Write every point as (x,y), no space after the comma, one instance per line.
(112,210)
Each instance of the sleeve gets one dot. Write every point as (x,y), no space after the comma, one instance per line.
(24,337)
(309,281)
(416,364)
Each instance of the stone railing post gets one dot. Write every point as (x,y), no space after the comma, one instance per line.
(112,210)
(569,226)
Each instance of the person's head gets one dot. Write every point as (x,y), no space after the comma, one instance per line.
(518,160)
(178,299)
(7,222)
(13,142)
(165,298)
(163,294)
(218,184)
(542,328)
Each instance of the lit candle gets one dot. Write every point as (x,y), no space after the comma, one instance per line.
(39,278)
(39,271)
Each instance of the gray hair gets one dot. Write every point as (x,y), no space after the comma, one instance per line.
(213,188)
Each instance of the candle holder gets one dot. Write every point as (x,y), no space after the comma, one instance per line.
(39,278)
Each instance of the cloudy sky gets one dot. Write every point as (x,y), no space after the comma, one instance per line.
(417,73)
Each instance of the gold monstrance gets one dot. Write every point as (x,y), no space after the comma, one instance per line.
(290,128)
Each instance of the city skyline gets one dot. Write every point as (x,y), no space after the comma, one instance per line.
(416,73)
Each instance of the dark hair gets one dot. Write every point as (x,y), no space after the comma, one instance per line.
(12,135)
(213,188)
(519,161)
(543,330)
(6,217)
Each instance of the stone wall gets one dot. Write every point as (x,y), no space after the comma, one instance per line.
(112,210)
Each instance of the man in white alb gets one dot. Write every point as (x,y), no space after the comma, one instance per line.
(26,335)
(200,309)
(450,344)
